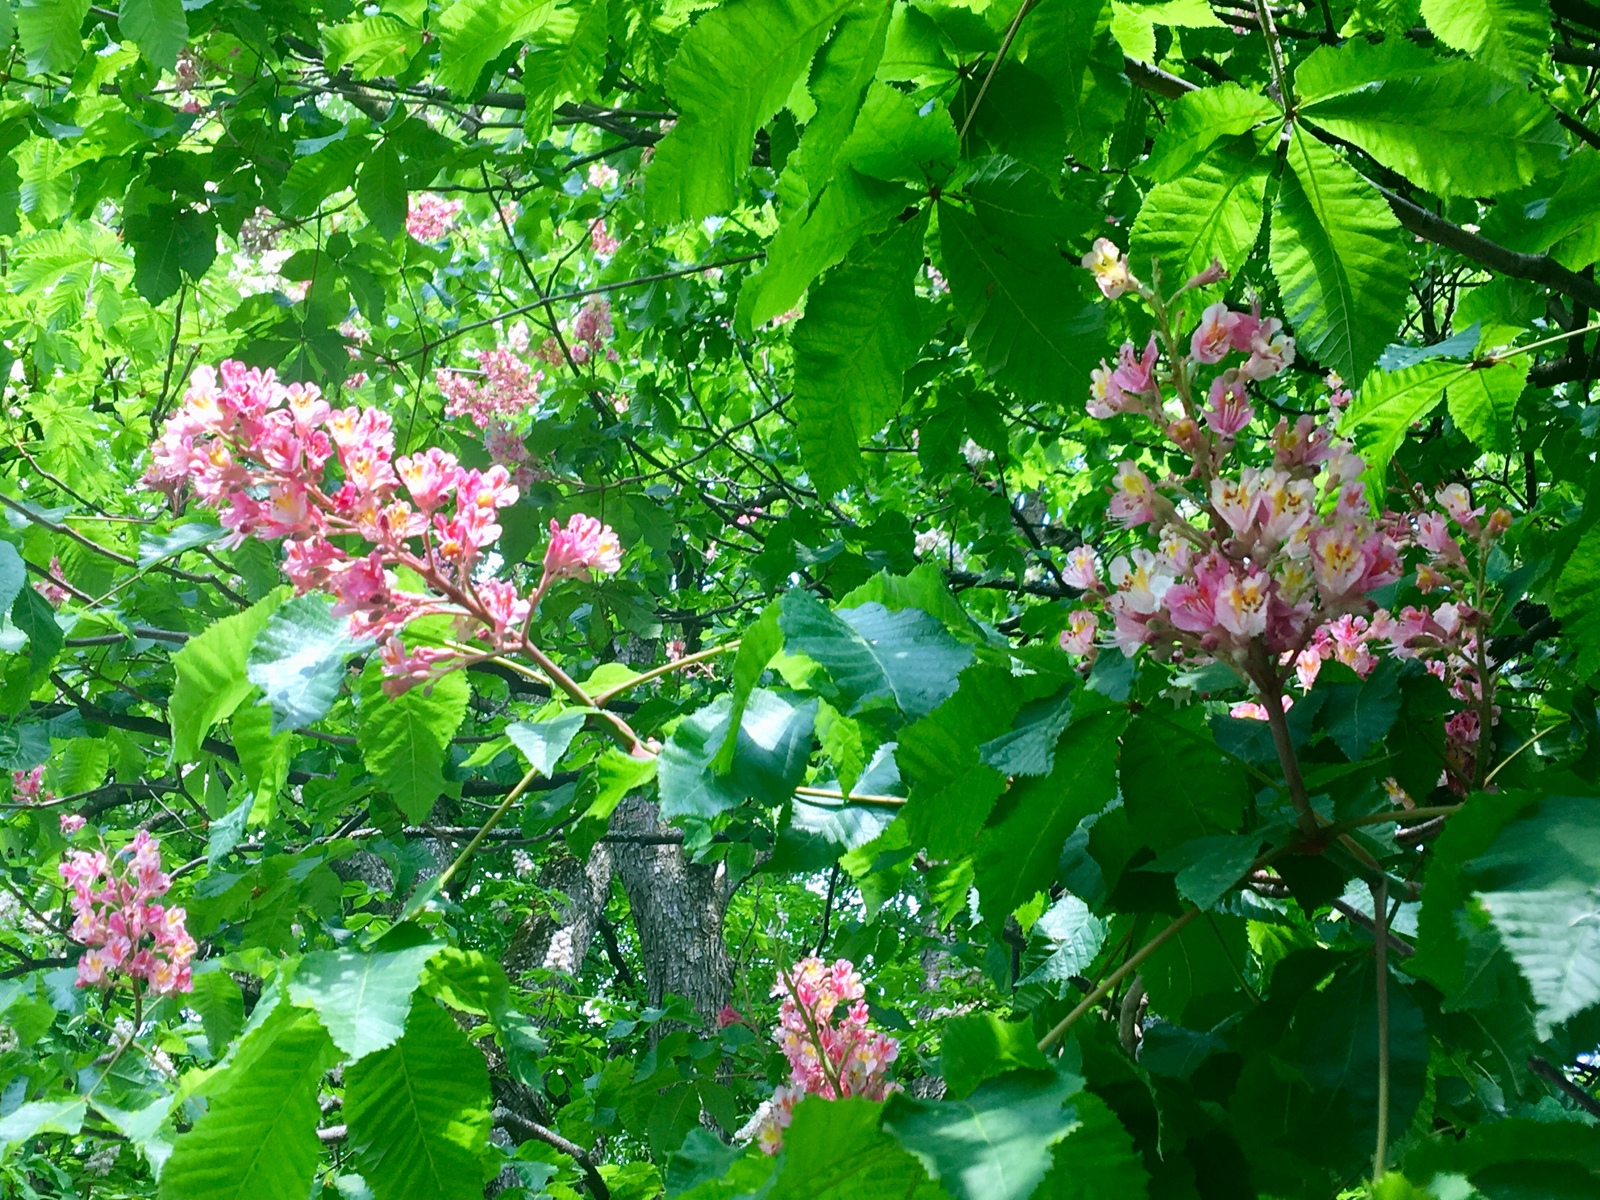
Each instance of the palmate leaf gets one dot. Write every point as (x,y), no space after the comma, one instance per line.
(372,46)
(473,33)
(995,1143)
(1176,783)
(381,189)
(861,331)
(404,739)
(1071,47)
(1451,127)
(838,86)
(258,1137)
(569,54)
(1029,318)
(1214,211)
(1483,398)
(980,1045)
(1511,37)
(872,654)
(1338,259)
(734,69)
(418,1112)
(361,999)
(169,244)
(1201,960)
(1573,601)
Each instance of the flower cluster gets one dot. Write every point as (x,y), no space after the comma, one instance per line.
(603,176)
(509,388)
(51,586)
(1268,567)
(601,242)
(827,1058)
(261,452)
(430,217)
(588,335)
(116,917)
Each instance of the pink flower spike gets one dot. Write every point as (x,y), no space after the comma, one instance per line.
(585,544)
(71,823)
(431,217)
(1078,637)
(1136,376)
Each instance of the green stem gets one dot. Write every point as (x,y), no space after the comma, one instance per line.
(494,819)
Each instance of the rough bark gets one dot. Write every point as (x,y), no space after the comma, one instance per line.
(586,886)
(678,908)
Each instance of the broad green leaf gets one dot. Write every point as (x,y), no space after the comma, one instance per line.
(979,1046)
(1097,1159)
(1072,48)
(157,27)
(381,189)
(158,547)
(298,660)
(405,739)
(1484,401)
(227,831)
(1210,866)
(31,613)
(219,1000)
(1483,398)
(258,1137)
(769,758)
(1338,259)
(50,32)
(1030,747)
(263,754)
(733,71)
(315,177)
(1511,37)
(211,680)
(1539,882)
(1064,941)
(1198,121)
(1017,853)
(544,742)
(1213,211)
(418,1112)
(995,1143)
(1176,783)
(1453,128)
(565,63)
(468,980)
(760,642)
(144,1128)
(851,207)
(872,654)
(361,999)
(13,575)
(473,33)
(1029,318)
(896,139)
(41,1116)
(861,331)
(1358,716)
(835,1150)
(170,244)
(838,86)
(1521,1143)
(1573,601)
(372,46)
(1203,959)
(77,766)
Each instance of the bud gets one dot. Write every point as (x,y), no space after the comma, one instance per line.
(1215,273)
(1499,522)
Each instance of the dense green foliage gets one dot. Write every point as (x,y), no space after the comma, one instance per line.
(803,281)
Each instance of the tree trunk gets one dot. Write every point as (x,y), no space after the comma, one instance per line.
(678,907)
(561,939)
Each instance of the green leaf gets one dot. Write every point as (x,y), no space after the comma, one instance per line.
(382,191)
(361,999)
(769,758)
(219,1000)
(835,1150)
(41,1116)
(1338,259)
(405,739)
(1208,867)
(995,1143)
(861,331)
(1448,126)
(315,177)
(1520,1142)
(1029,318)
(77,766)
(838,87)
(157,27)
(227,831)
(1573,601)
(1030,747)
(1201,960)
(1213,211)
(851,207)
(258,1137)
(1017,853)
(1358,716)
(873,654)
(32,614)
(1176,784)
(51,34)
(263,755)
(1068,937)
(979,1046)
(1483,398)
(210,675)
(1511,37)
(544,742)
(1484,401)
(1071,47)
(170,244)
(1097,1159)
(372,46)
(1198,121)
(566,63)
(298,660)
(733,71)
(418,1112)
(473,33)
(1539,881)
(760,642)
(13,575)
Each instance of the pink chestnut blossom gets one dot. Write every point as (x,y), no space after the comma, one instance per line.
(1133,498)
(1078,637)
(1110,269)
(1229,409)
(1083,569)
(115,916)
(601,242)
(585,544)
(1213,340)
(431,217)
(71,823)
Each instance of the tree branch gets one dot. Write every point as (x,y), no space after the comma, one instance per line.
(509,1120)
